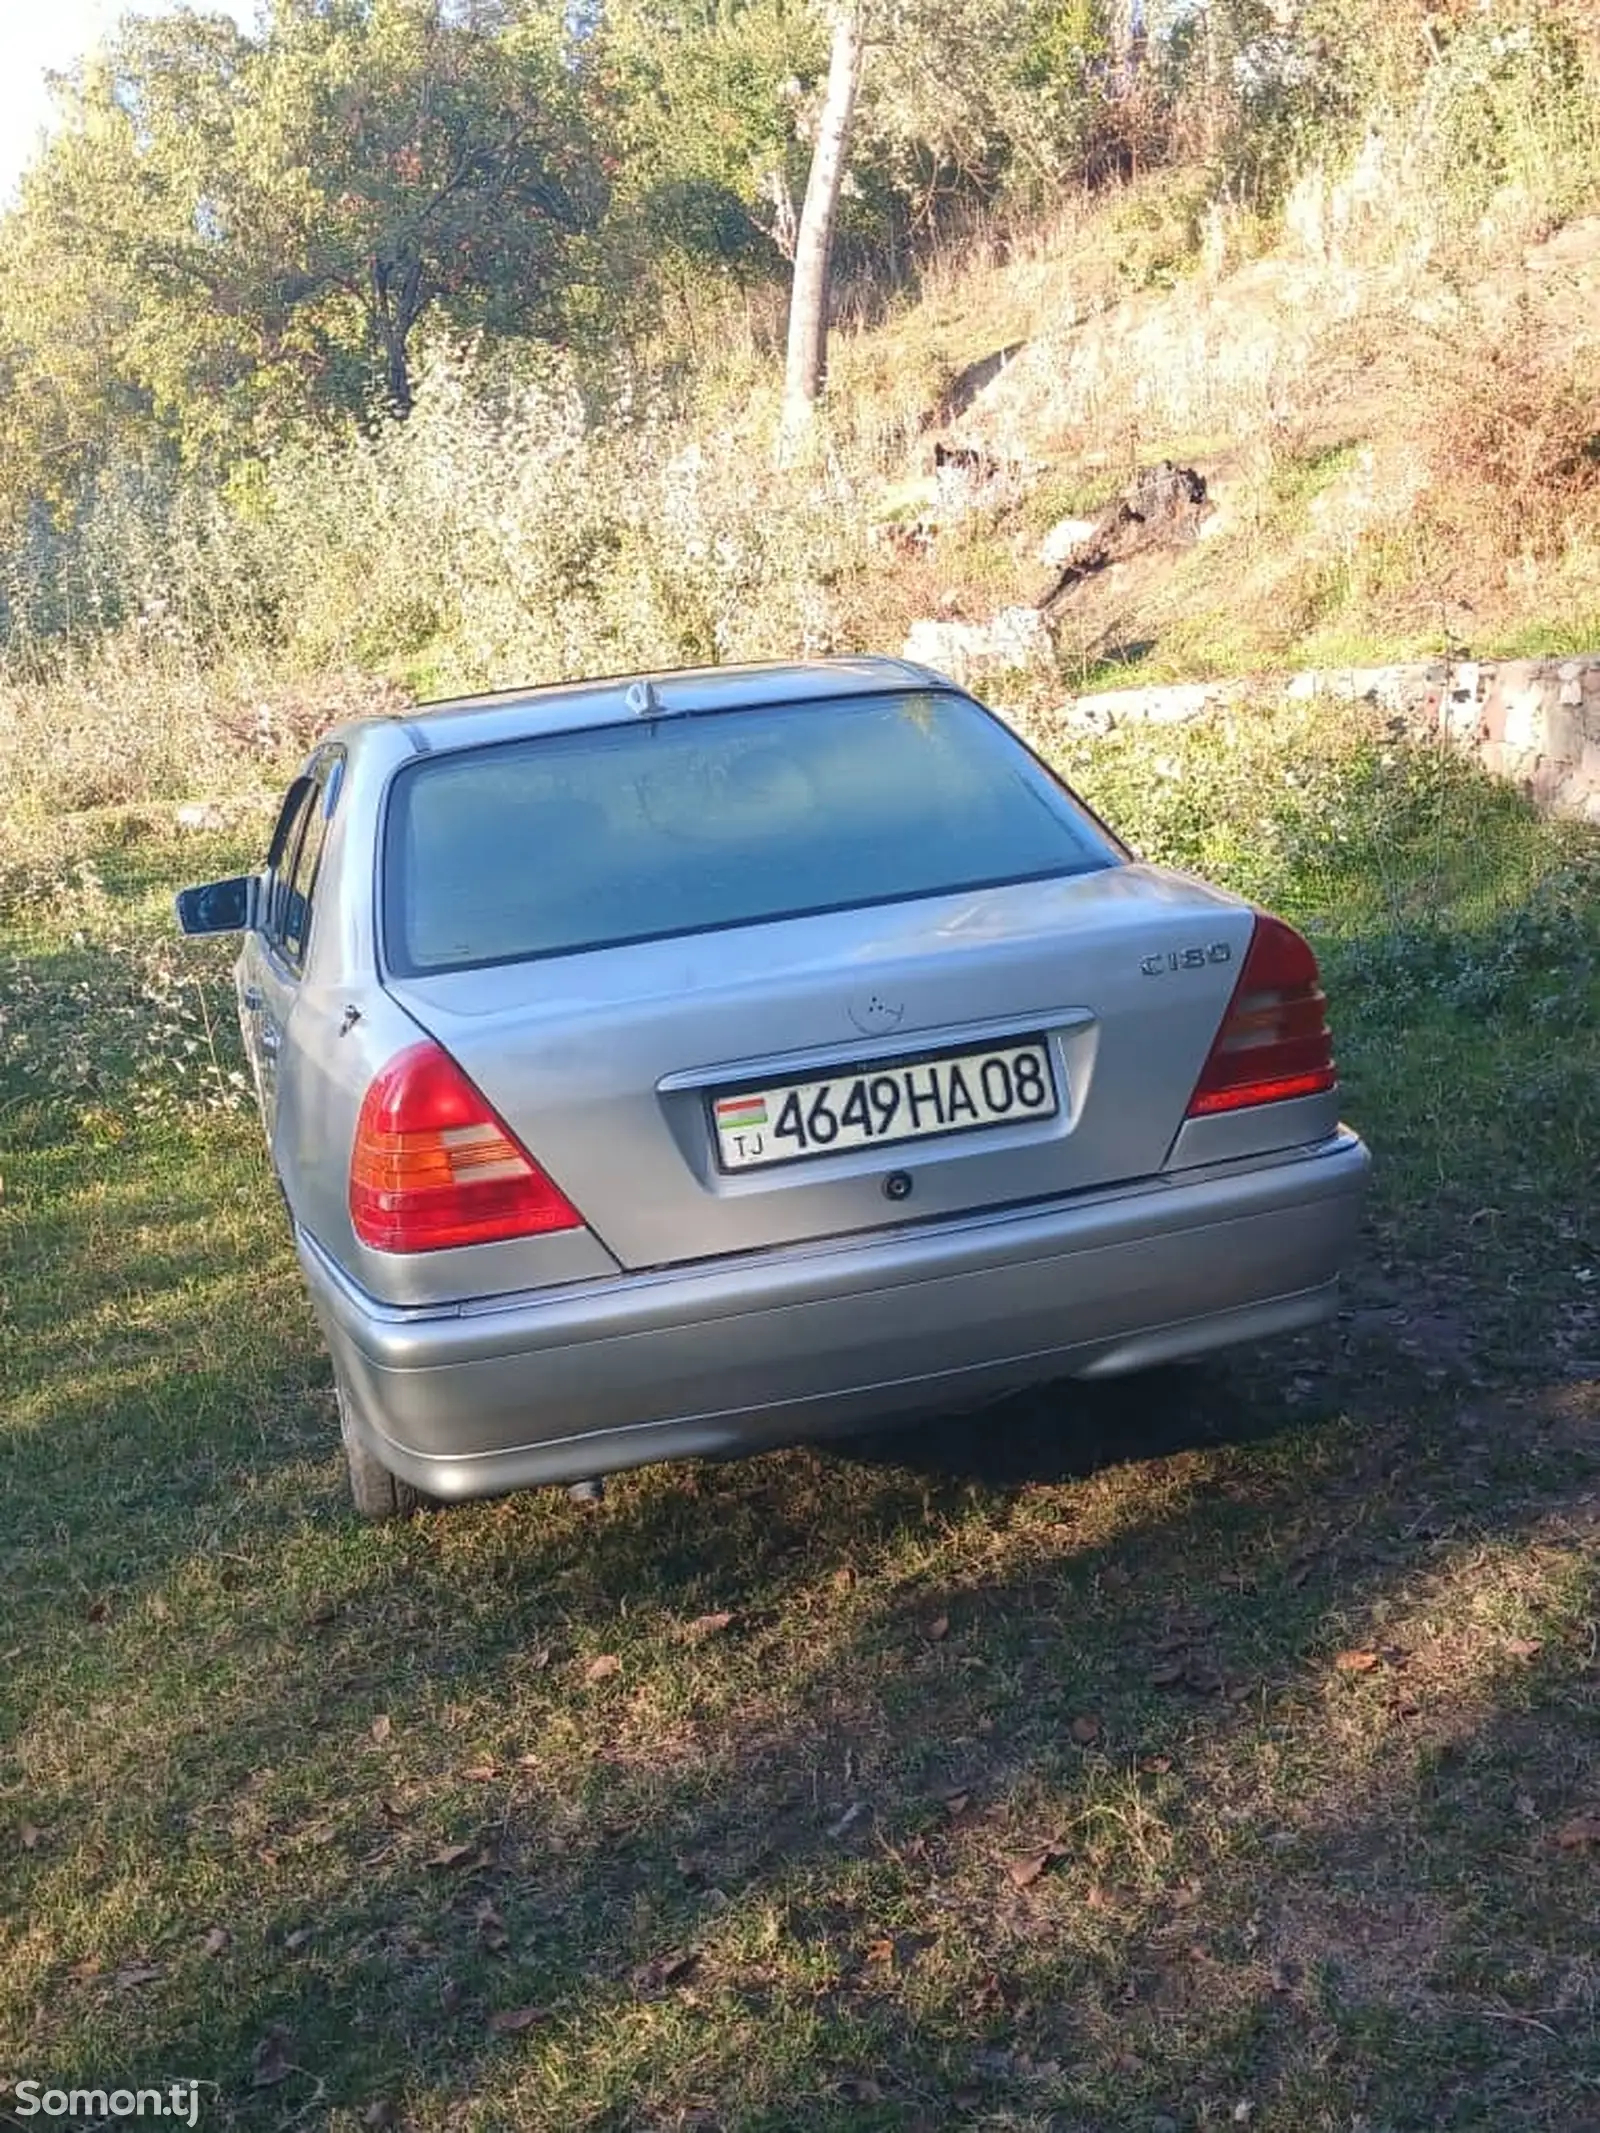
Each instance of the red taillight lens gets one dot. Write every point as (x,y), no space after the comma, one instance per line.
(434,1166)
(1274,1040)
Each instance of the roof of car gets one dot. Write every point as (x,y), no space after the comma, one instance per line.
(553,707)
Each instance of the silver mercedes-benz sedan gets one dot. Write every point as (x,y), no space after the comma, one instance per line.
(686,1064)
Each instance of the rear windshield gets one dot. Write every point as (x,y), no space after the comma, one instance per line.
(612,834)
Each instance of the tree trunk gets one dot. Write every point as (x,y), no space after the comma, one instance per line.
(808,300)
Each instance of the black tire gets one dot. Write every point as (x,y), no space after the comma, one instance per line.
(375,1492)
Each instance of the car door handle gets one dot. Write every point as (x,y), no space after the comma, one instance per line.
(251,1000)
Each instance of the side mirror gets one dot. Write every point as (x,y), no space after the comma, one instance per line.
(219,906)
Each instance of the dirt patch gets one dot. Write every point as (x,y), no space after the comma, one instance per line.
(1377,1947)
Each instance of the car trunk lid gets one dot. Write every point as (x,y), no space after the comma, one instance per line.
(610,1064)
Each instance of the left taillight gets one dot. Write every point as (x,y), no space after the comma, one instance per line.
(434,1165)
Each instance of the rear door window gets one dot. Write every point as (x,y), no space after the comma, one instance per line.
(664,826)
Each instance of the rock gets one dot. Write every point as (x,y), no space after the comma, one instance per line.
(199,815)
(1055,550)
(1166,494)
(1162,505)
(964,476)
(1017,637)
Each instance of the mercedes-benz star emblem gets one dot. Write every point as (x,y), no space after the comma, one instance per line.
(875,1016)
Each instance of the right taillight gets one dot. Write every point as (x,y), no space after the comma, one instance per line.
(1273,1042)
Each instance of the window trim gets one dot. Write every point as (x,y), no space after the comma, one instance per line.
(324,777)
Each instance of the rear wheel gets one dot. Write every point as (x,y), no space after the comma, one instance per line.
(375,1492)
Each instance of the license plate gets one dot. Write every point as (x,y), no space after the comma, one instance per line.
(906,1100)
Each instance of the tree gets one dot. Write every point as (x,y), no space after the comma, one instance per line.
(438,164)
(258,226)
(808,301)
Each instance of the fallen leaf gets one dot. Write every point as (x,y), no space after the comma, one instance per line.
(1024,1872)
(1524,1647)
(1404,1706)
(480,1773)
(391,1810)
(708,1625)
(97,1611)
(843,1578)
(603,1668)
(298,1939)
(956,1803)
(1084,1730)
(937,1629)
(848,1820)
(31,1836)
(491,1928)
(1168,1674)
(880,1951)
(1579,1833)
(1239,1691)
(134,1974)
(1355,1662)
(380,2116)
(512,2021)
(382,1726)
(451,1856)
(669,1969)
(217,1941)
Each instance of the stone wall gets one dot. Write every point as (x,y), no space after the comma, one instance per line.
(1535,721)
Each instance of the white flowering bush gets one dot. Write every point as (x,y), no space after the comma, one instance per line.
(503,534)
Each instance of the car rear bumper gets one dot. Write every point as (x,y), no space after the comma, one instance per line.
(731,1355)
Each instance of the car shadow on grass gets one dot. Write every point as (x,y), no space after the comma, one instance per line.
(778,1869)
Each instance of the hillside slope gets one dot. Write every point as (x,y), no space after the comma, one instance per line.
(1401,459)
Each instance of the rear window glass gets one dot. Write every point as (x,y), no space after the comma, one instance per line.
(612,834)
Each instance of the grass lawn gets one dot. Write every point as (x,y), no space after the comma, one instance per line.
(1215,1749)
